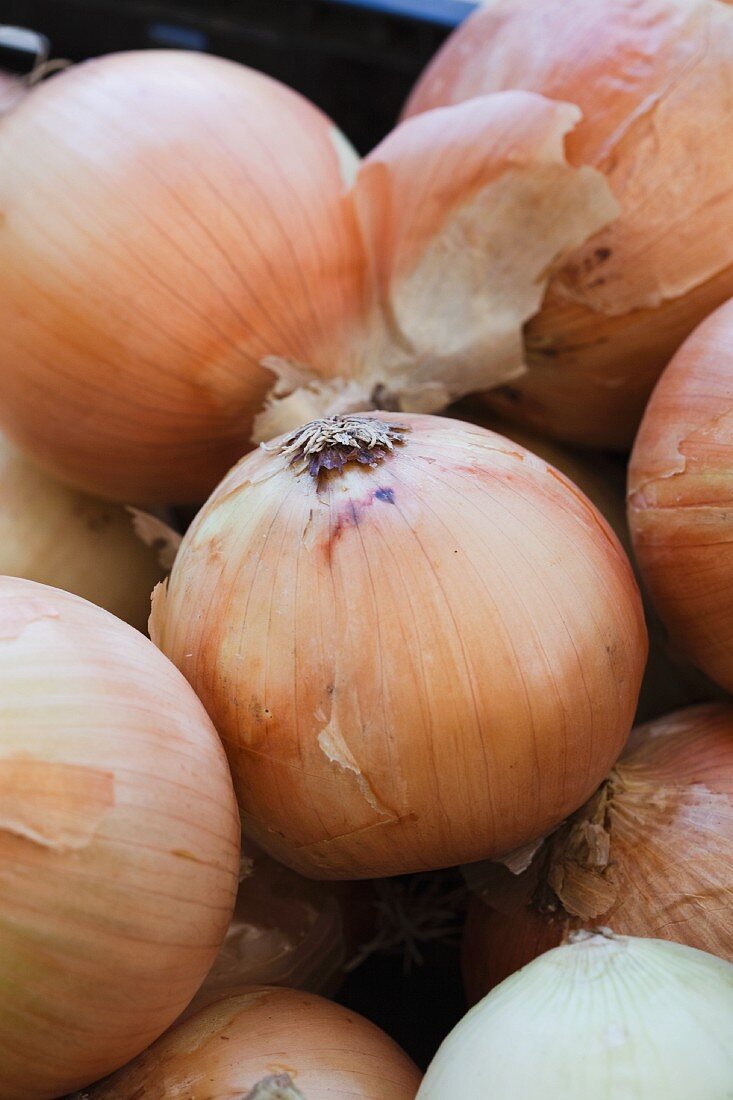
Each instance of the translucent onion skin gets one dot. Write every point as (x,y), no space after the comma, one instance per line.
(153,260)
(680,497)
(58,536)
(286,930)
(239,1043)
(119,842)
(613,1018)
(670,681)
(397,657)
(643,73)
(652,855)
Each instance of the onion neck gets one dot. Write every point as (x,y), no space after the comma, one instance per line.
(279,1087)
(334,442)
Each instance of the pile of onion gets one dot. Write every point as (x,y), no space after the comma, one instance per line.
(644,73)
(218,263)
(286,930)
(119,842)
(381,616)
(268,1044)
(680,497)
(651,854)
(670,681)
(58,536)
(607,1017)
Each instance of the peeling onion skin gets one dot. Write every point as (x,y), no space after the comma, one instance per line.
(119,842)
(57,536)
(397,659)
(670,681)
(668,872)
(608,1017)
(228,1048)
(218,266)
(680,497)
(643,73)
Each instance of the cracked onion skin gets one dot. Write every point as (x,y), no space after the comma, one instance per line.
(644,73)
(119,842)
(244,1043)
(651,855)
(426,662)
(680,497)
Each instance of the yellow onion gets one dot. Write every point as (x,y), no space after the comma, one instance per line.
(58,536)
(212,261)
(680,497)
(651,854)
(670,681)
(268,1044)
(645,74)
(285,930)
(608,1017)
(119,842)
(420,644)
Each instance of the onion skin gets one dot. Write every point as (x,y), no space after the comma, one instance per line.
(328,1052)
(668,872)
(57,536)
(608,1017)
(388,701)
(643,73)
(680,496)
(119,842)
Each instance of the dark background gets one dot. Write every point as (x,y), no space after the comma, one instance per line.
(357,60)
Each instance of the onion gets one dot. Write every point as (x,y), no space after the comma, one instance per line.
(118,842)
(55,535)
(680,497)
(608,1017)
(216,243)
(670,681)
(12,90)
(382,618)
(651,854)
(644,73)
(269,1044)
(286,930)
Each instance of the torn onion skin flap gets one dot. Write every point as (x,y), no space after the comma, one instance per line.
(643,73)
(459,216)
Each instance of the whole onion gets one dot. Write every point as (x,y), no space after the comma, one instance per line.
(420,644)
(285,930)
(268,1044)
(680,493)
(651,854)
(119,842)
(212,261)
(608,1017)
(654,80)
(55,535)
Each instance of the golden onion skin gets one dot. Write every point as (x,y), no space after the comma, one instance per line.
(653,856)
(643,72)
(245,1040)
(680,497)
(423,663)
(119,842)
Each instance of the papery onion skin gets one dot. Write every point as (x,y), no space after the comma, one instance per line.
(146,231)
(216,243)
(286,930)
(396,658)
(656,859)
(58,536)
(643,72)
(119,842)
(228,1048)
(680,497)
(670,681)
(613,1018)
